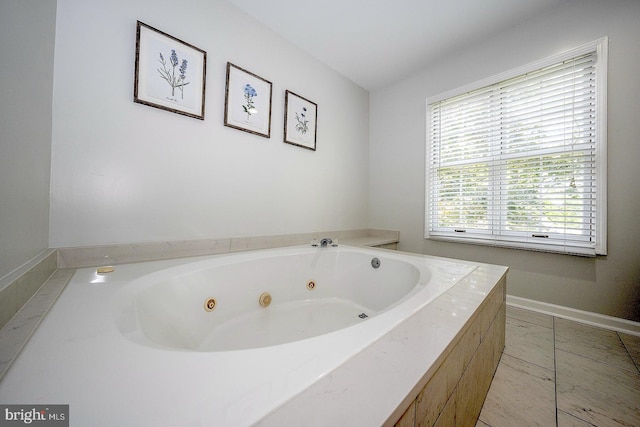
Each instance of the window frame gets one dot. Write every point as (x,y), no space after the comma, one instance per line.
(599,247)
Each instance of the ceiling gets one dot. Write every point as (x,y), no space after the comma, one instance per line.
(377,42)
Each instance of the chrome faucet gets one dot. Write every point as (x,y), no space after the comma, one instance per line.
(325,242)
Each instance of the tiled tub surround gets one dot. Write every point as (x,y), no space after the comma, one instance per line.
(380,379)
(27,286)
(458,383)
(20,285)
(15,334)
(136,252)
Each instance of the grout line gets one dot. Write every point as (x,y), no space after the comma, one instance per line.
(530,323)
(555,367)
(415,413)
(587,355)
(580,355)
(528,361)
(628,352)
(576,418)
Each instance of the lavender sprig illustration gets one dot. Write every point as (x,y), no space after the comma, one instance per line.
(168,73)
(303,124)
(249,93)
(183,70)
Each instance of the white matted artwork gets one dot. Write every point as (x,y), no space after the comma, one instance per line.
(300,121)
(247,103)
(169,73)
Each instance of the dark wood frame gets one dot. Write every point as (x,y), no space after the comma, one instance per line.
(231,102)
(140,96)
(290,127)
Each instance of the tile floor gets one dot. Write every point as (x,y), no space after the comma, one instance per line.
(555,372)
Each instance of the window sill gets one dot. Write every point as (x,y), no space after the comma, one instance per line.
(527,246)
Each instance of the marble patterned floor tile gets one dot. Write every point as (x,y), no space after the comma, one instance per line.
(598,393)
(521,394)
(530,316)
(599,344)
(529,342)
(632,344)
(566,420)
(482,424)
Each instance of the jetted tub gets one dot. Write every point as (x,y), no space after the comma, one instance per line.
(257,300)
(197,342)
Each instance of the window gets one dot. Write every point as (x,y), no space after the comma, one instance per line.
(519,160)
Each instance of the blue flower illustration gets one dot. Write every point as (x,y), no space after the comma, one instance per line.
(249,93)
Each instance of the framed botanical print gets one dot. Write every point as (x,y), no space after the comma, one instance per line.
(300,121)
(170,74)
(247,102)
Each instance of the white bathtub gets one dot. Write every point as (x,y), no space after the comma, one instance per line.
(137,347)
(312,292)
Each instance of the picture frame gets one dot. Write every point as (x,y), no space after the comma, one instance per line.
(300,121)
(170,74)
(247,101)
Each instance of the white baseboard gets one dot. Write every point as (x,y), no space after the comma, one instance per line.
(593,319)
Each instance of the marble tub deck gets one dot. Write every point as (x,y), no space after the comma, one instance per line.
(409,351)
(556,372)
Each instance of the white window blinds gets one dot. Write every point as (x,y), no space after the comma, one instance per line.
(522,162)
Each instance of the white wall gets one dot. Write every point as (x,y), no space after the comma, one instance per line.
(608,285)
(27,30)
(124,172)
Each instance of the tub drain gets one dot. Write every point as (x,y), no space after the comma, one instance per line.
(362,315)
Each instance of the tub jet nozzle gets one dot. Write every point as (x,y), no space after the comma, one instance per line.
(265,299)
